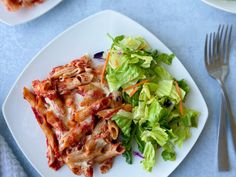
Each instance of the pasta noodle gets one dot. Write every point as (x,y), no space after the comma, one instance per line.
(106,165)
(113,129)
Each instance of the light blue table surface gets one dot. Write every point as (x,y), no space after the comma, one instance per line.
(180,24)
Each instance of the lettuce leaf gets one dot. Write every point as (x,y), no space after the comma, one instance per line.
(182,134)
(116,59)
(154,111)
(183,85)
(144,44)
(162,73)
(190,118)
(157,134)
(146,60)
(134,100)
(123,119)
(174,96)
(168,152)
(139,111)
(137,136)
(125,74)
(149,154)
(136,43)
(165,58)
(131,43)
(127,143)
(166,88)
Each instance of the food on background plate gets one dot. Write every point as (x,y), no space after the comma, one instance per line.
(14,5)
(91,114)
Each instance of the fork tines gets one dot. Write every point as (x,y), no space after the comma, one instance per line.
(217,45)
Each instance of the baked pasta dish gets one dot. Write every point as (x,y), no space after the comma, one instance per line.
(74,109)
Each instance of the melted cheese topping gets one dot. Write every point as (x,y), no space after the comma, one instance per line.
(78,98)
(52,107)
(105,89)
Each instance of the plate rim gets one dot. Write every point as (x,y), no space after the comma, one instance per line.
(218,7)
(31,19)
(109,11)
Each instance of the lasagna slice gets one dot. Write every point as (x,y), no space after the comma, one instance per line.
(14,5)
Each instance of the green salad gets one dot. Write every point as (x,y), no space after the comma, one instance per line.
(159,119)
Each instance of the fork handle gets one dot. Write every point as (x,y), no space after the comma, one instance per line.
(222,145)
(230,113)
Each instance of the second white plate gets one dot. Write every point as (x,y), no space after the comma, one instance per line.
(25,14)
(225,5)
(90,36)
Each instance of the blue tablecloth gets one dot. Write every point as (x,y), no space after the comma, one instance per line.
(180,24)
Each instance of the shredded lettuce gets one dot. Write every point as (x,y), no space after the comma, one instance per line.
(124,75)
(168,152)
(183,85)
(127,143)
(164,88)
(139,111)
(149,156)
(139,141)
(123,119)
(165,58)
(157,134)
(154,111)
(155,122)
(190,118)
(116,60)
(162,73)
(182,133)
(136,43)
(146,60)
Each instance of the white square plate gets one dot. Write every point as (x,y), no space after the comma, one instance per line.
(25,14)
(89,36)
(225,5)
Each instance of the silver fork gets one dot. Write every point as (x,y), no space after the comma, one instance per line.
(217,50)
